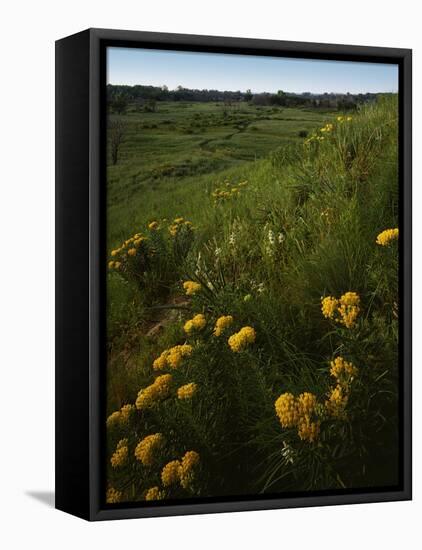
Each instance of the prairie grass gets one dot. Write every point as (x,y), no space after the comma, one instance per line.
(277,221)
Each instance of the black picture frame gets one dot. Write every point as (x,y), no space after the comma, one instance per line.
(80,275)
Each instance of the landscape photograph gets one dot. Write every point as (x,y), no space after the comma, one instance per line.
(252,279)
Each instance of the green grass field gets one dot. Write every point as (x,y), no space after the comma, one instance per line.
(279,209)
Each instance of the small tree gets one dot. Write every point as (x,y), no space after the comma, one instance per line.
(119,103)
(116,132)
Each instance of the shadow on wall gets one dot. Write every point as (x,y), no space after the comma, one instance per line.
(45,497)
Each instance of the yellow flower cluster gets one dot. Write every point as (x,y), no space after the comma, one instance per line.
(154,494)
(147,448)
(329,307)
(327,128)
(228,191)
(170,474)
(298,412)
(187,468)
(191,287)
(286,409)
(349,309)
(128,248)
(344,310)
(197,323)
(187,391)
(337,401)
(158,391)
(178,224)
(222,324)
(120,417)
(182,471)
(387,236)
(343,370)
(172,358)
(120,455)
(344,118)
(113,496)
(239,340)
(153,225)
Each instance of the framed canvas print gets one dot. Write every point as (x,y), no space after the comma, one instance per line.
(233,274)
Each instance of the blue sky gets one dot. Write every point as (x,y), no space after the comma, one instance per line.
(240,72)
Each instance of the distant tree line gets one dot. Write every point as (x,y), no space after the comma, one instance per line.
(119,97)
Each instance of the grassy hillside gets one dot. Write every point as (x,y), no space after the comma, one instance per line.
(222,220)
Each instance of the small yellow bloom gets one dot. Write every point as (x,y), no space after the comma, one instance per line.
(131,252)
(158,391)
(343,370)
(287,410)
(222,324)
(191,287)
(120,455)
(239,340)
(172,358)
(148,447)
(170,474)
(387,236)
(308,430)
(111,265)
(329,307)
(153,225)
(187,391)
(113,496)
(337,401)
(154,494)
(187,468)
(197,323)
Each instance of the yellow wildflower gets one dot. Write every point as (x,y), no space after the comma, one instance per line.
(222,324)
(158,391)
(153,225)
(111,265)
(239,340)
(341,369)
(187,468)
(120,455)
(306,403)
(337,401)
(344,310)
(198,322)
(387,236)
(154,494)
(113,496)
(121,416)
(287,410)
(187,391)
(117,265)
(131,252)
(349,309)
(170,474)
(146,449)
(191,287)
(308,430)
(329,307)
(172,358)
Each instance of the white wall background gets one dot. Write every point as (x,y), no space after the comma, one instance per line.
(28,31)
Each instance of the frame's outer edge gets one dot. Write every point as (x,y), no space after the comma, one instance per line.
(72,254)
(406,246)
(79,123)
